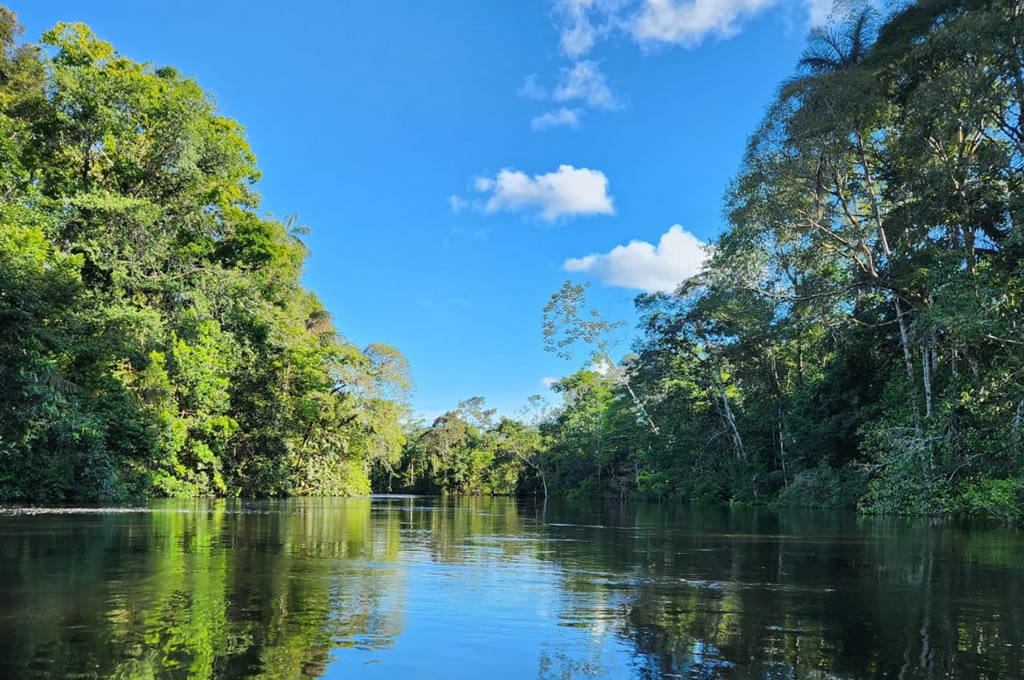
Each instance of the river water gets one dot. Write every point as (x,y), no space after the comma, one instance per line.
(491,588)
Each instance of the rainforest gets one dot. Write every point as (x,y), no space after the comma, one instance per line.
(855,339)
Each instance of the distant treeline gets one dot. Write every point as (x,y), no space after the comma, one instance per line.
(857,336)
(154,336)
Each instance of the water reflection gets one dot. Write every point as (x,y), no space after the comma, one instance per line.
(494,587)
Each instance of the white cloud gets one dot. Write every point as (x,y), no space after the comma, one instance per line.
(566,192)
(563,116)
(678,256)
(582,23)
(819,11)
(578,32)
(582,84)
(548,382)
(585,82)
(457,204)
(532,89)
(688,22)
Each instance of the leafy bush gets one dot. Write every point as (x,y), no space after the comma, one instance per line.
(824,487)
(1001,499)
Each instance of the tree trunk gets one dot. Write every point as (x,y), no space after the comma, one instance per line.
(908,362)
(1016,428)
(876,214)
(636,400)
(543,477)
(782,450)
(737,441)
(926,363)
(778,414)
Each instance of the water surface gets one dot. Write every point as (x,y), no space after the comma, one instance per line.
(398,587)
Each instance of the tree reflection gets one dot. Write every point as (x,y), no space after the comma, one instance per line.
(298,588)
(718,594)
(216,590)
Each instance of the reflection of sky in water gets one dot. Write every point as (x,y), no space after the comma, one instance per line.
(495,588)
(499,608)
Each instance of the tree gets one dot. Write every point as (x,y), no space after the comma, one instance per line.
(565,325)
(156,338)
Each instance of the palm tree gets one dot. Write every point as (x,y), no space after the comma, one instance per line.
(831,49)
(320,323)
(296,231)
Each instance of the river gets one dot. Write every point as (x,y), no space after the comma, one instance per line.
(407,587)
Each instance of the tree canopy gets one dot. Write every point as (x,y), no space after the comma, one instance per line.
(154,334)
(856,337)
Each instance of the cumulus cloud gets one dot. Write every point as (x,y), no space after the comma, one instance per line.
(566,192)
(563,116)
(583,23)
(641,265)
(586,83)
(548,381)
(687,23)
(583,85)
(483,183)
(578,33)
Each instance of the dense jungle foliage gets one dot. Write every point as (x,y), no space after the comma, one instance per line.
(154,336)
(857,336)
(855,339)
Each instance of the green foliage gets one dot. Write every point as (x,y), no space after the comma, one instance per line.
(1001,499)
(154,335)
(855,337)
(824,487)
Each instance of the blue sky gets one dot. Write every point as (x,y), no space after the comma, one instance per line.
(457,160)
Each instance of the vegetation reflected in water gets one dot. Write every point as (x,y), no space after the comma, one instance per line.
(453,587)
